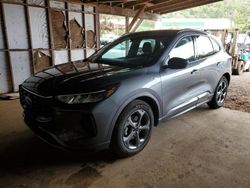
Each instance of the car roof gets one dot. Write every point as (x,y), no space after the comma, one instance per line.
(165,32)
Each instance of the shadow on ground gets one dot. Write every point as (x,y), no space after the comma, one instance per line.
(24,150)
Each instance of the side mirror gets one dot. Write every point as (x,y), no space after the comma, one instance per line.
(177,63)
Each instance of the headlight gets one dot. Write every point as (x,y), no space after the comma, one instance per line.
(87,97)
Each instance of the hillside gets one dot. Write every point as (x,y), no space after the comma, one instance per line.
(238,11)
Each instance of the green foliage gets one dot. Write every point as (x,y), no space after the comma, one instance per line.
(237,11)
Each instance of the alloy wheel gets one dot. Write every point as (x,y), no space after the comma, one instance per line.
(221,92)
(136,129)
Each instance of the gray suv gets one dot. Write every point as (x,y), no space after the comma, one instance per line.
(114,98)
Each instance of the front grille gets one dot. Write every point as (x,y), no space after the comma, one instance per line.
(34,102)
(70,127)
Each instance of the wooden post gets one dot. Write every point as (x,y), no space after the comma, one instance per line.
(97,27)
(137,25)
(85,36)
(6,44)
(50,31)
(27,19)
(126,24)
(138,14)
(96,31)
(69,33)
(69,37)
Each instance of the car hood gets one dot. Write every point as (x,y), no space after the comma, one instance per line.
(72,79)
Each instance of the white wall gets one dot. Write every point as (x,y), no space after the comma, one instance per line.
(18,38)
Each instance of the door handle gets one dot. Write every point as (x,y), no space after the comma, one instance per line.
(194,71)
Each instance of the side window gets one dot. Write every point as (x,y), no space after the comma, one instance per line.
(204,46)
(216,46)
(183,49)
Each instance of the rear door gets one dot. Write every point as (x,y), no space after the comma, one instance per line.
(179,85)
(209,62)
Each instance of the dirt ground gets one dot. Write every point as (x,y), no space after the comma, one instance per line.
(188,151)
(239,93)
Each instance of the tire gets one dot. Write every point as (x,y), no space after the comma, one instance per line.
(240,68)
(220,94)
(133,129)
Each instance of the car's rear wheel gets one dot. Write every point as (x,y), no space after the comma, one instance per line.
(133,129)
(220,94)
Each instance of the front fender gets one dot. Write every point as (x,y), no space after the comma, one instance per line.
(128,99)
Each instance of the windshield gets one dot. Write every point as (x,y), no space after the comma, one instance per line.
(133,52)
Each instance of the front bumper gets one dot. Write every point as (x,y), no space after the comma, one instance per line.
(68,127)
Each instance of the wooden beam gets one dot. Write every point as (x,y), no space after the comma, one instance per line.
(83,25)
(27,20)
(42,6)
(104,9)
(163,4)
(136,3)
(50,31)
(191,5)
(121,3)
(35,49)
(180,5)
(6,44)
(68,33)
(126,24)
(97,28)
(137,25)
(85,36)
(138,14)
(96,31)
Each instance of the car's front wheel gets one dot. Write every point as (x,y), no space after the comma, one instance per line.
(133,129)
(220,94)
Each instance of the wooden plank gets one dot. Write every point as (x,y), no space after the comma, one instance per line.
(5,76)
(69,33)
(180,5)
(190,5)
(51,38)
(137,25)
(97,28)
(83,25)
(6,44)
(105,9)
(126,24)
(27,18)
(35,49)
(136,3)
(138,14)
(121,3)
(96,31)
(41,6)
(163,4)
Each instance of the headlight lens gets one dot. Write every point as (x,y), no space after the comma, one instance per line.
(87,97)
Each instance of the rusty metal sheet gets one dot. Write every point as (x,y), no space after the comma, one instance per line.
(77,34)
(59,29)
(42,60)
(91,39)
